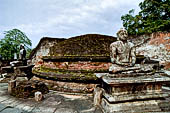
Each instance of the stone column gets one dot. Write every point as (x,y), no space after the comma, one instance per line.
(11,85)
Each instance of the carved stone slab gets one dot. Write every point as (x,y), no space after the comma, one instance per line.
(138,79)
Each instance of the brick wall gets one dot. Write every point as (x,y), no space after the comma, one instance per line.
(43,49)
(79,65)
(158,48)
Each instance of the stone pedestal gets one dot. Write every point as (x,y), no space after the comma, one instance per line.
(11,85)
(126,92)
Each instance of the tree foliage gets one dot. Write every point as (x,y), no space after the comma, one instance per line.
(153,17)
(11,42)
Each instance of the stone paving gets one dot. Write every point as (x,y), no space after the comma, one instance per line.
(54,102)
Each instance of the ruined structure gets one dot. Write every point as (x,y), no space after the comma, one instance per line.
(24,88)
(77,59)
(43,49)
(74,61)
(81,64)
(19,67)
(54,48)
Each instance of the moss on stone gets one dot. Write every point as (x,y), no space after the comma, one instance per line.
(66,75)
(85,45)
(65,71)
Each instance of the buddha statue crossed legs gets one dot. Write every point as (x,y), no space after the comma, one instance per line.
(123,54)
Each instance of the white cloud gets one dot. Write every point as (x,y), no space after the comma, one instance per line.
(108,3)
(68,18)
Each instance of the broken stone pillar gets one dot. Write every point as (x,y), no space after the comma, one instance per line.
(11,85)
(38,96)
(97,96)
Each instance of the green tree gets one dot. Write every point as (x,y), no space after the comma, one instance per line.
(11,42)
(153,17)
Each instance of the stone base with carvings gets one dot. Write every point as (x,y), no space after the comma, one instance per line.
(125,92)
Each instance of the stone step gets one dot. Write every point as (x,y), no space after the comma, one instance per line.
(131,107)
(131,97)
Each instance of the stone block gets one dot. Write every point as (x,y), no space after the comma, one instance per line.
(11,85)
(38,96)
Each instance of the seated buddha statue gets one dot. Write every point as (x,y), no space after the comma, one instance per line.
(123,54)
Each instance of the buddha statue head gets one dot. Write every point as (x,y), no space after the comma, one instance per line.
(122,34)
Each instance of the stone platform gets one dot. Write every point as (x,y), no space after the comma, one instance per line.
(124,92)
(18,71)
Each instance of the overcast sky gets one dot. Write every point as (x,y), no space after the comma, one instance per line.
(63,18)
